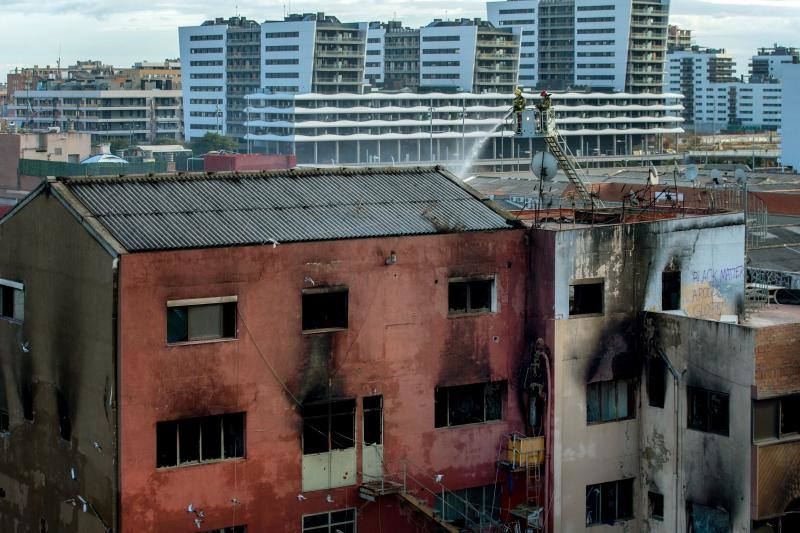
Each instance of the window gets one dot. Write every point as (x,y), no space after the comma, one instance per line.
(656,381)
(473,503)
(282,35)
(776,418)
(469,404)
(607,503)
(12,300)
(656,505)
(4,422)
(335,521)
(203,319)
(329,426)
(325,309)
(200,440)
(608,401)
(671,290)
(471,295)
(703,518)
(205,38)
(373,419)
(234,529)
(708,411)
(586,298)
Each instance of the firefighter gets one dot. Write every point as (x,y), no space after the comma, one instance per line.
(543,106)
(519,107)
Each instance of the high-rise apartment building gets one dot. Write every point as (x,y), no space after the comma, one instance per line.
(600,44)
(401,57)
(701,75)
(678,38)
(769,63)
(520,16)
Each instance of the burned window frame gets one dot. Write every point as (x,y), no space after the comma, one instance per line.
(14,292)
(338,517)
(778,418)
(228,314)
(241,528)
(655,501)
(493,400)
(670,283)
(5,422)
(631,385)
(574,284)
(372,415)
(306,325)
(315,413)
(468,283)
(603,493)
(656,381)
(226,422)
(693,418)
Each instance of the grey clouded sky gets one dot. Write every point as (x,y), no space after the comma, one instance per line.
(124,31)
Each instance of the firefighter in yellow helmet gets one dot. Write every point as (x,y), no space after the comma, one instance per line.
(519,107)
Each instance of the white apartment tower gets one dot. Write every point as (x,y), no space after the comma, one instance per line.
(520,16)
(599,44)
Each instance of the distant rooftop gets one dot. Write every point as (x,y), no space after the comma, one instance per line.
(166,212)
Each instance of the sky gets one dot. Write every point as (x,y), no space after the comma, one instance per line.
(121,32)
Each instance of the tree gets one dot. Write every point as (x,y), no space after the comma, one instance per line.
(213,142)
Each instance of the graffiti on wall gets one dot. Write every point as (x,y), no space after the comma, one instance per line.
(706,293)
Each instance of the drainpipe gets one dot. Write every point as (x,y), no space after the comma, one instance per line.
(113,396)
(548,444)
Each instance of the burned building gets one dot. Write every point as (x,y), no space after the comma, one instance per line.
(329,349)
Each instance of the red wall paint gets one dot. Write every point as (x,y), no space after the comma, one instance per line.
(248,162)
(400,343)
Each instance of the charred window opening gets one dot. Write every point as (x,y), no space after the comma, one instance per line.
(609,401)
(708,411)
(776,418)
(233,529)
(64,420)
(656,381)
(12,301)
(473,295)
(26,393)
(329,426)
(200,440)
(704,519)
(671,290)
(586,298)
(325,309)
(608,503)
(373,419)
(343,521)
(4,421)
(656,504)
(469,404)
(197,320)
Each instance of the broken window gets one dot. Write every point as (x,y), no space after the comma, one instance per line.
(199,440)
(343,521)
(26,393)
(466,507)
(708,410)
(12,300)
(373,419)
(671,291)
(329,426)
(704,519)
(469,404)
(607,401)
(656,504)
(325,309)
(202,319)
(607,503)
(471,295)
(586,298)
(656,381)
(64,420)
(776,418)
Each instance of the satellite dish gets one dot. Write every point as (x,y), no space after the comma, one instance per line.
(716,176)
(544,166)
(691,173)
(740,175)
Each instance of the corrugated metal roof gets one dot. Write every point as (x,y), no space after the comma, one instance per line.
(213,210)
